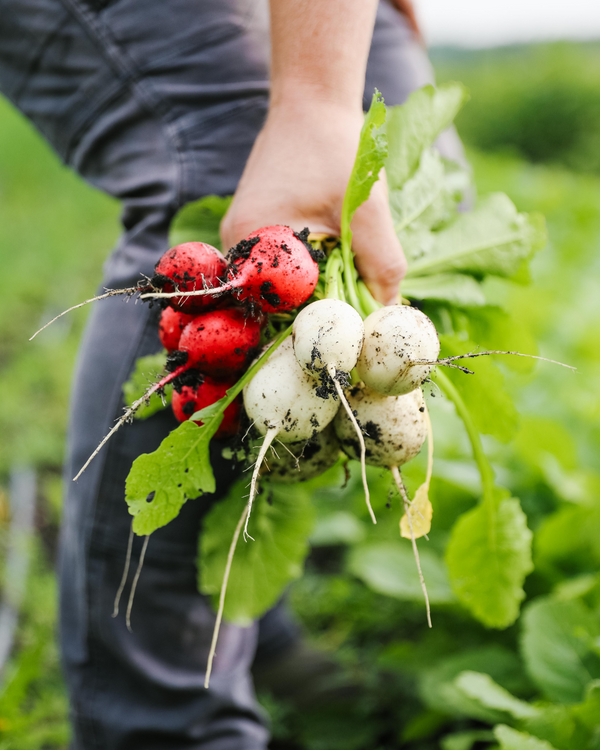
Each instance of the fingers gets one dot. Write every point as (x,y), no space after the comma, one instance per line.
(379,256)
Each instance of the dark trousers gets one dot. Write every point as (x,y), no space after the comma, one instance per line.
(158,104)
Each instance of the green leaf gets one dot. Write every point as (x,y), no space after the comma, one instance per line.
(148,370)
(488,558)
(588,712)
(200,221)
(372,150)
(429,198)
(511,739)
(280,523)
(465,740)
(482,689)
(415,125)
(389,568)
(493,238)
(555,644)
(159,483)
(454,288)
(340,527)
(439,691)
(488,401)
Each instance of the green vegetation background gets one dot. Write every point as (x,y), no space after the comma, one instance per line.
(533,131)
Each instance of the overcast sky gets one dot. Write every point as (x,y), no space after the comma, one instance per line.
(484,23)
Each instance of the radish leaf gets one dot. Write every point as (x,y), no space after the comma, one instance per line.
(372,150)
(261,569)
(511,739)
(456,288)
(159,483)
(414,126)
(493,238)
(200,221)
(557,647)
(488,557)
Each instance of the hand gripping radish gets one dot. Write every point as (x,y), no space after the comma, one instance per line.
(328,337)
(282,401)
(396,337)
(272,268)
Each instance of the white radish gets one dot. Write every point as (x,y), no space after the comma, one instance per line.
(283,401)
(395,426)
(396,339)
(328,337)
(304,460)
(328,332)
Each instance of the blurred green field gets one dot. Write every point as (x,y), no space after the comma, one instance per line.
(54,235)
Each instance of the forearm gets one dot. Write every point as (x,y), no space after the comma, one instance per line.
(320,50)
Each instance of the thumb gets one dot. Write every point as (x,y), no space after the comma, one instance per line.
(379,256)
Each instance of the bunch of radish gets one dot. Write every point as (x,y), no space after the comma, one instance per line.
(339,379)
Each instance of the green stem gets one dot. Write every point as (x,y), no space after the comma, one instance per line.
(487,475)
(332,275)
(368,302)
(350,275)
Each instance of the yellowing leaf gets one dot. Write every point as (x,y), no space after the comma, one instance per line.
(421,512)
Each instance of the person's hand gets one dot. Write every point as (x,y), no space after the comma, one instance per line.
(297,175)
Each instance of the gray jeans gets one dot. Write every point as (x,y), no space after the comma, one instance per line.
(158,104)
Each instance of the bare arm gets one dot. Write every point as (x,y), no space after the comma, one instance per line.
(300,164)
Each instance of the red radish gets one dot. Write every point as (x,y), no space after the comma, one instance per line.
(172,323)
(273,268)
(220,342)
(190,399)
(188,267)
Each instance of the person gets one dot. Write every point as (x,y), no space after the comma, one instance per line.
(159,104)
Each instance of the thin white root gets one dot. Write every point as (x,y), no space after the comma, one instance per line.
(215,636)
(272,432)
(125,418)
(135,583)
(399,483)
(449,360)
(125,572)
(128,414)
(195,293)
(109,293)
(363,450)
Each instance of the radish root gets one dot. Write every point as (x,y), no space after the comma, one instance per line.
(331,370)
(272,433)
(108,293)
(128,415)
(399,483)
(448,361)
(135,583)
(215,636)
(125,572)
